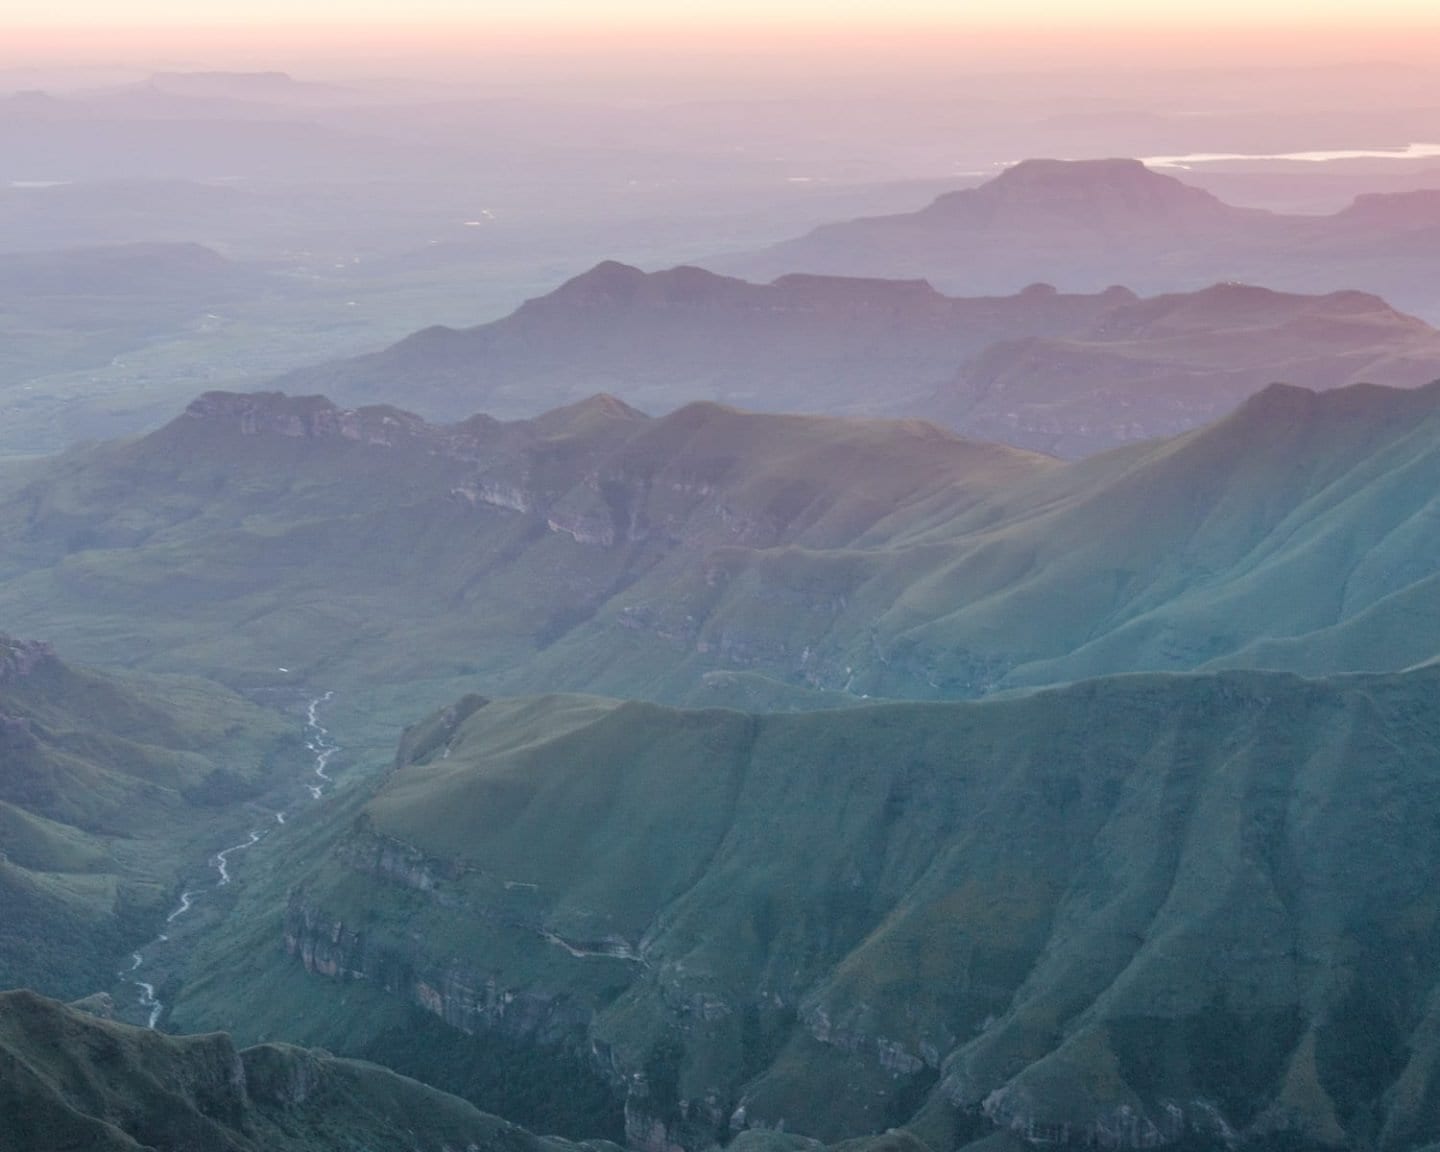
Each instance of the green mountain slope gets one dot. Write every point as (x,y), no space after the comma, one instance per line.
(1133,910)
(259,532)
(110,789)
(594,549)
(72,1081)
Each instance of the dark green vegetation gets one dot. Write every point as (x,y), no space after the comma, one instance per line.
(1085,224)
(1153,908)
(1069,375)
(594,549)
(1158,907)
(110,789)
(1189,905)
(71,1081)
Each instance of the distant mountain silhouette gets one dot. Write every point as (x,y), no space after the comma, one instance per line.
(1085,224)
(1061,373)
(1105,195)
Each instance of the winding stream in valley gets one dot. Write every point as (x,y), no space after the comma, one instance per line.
(323,749)
(320,745)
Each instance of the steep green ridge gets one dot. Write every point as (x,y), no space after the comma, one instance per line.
(260,532)
(71,1081)
(1132,910)
(1060,373)
(595,549)
(109,789)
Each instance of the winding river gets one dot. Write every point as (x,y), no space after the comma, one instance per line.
(323,748)
(319,742)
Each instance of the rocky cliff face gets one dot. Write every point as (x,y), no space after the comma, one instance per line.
(462,997)
(1098,915)
(21,658)
(316,418)
(458,994)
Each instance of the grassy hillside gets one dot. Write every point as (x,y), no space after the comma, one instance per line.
(111,790)
(74,1081)
(1141,908)
(259,533)
(595,549)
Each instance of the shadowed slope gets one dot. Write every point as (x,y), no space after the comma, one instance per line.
(72,1081)
(105,782)
(1139,907)
(1066,374)
(664,339)
(597,550)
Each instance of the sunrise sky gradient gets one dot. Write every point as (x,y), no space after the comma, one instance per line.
(1285,31)
(533,13)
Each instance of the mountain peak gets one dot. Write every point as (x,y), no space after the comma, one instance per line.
(1119,192)
(608,282)
(1048,173)
(600,407)
(1419,208)
(1286,406)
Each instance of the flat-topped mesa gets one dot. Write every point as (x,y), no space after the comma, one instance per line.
(20,658)
(1048,174)
(305,417)
(852,291)
(1231,306)
(1419,208)
(614,285)
(1120,184)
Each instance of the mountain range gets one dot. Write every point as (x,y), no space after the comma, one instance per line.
(1065,374)
(596,549)
(75,1080)
(783,781)
(1086,224)
(1150,887)
(1127,912)
(964,678)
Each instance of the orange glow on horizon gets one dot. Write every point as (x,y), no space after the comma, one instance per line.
(1045,32)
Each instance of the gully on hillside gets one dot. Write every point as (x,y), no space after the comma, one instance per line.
(323,747)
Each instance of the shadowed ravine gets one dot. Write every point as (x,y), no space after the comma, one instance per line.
(319,743)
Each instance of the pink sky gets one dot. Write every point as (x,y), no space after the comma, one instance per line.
(375,32)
